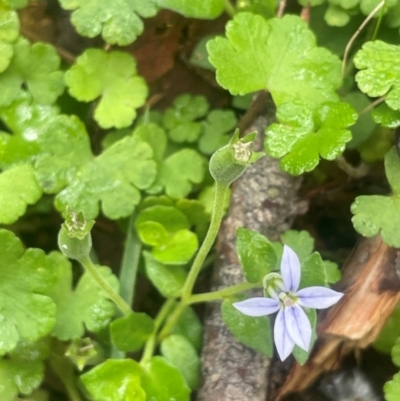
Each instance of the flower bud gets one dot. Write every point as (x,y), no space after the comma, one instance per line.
(230,162)
(74,239)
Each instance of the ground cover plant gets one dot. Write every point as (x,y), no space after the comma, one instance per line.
(123,126)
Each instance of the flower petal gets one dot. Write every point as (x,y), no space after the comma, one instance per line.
(257,306)
(318,297)
(298,326)
(284,344)
(290,269)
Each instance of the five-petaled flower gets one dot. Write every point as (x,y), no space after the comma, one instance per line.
(292,325)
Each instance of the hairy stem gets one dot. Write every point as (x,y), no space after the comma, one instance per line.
(151,342)
(111,293)
(216,218)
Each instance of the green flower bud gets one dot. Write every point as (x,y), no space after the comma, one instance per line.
(230,162)
(74,239)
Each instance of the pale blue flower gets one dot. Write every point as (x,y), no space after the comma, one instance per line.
(292,325)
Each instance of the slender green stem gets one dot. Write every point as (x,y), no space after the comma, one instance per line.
(113,295)
(216,218)
(151,342)
(230,10)
(65,372)
(130,263)
(171,322)
(221,294)
(378,23)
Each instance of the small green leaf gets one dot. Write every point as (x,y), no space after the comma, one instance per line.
(56,164)
(375,214)
(168,216)
(169,280)
(336,16)
(179,351)
(216,128)
(129,333)
(379,63)
(9,31)
(396,353)
(112,380)
(26,119)
(114,178)
(189,326)
(389,333)
(163,382)
(207,9)
(261,54)
(364,126)
(300,241)
(26,276)
(266,8)
(37,67)
(332,272)
(118,22)
(180,171)
(256,254)
(86,305)
(112,77)
(254,332)
(180,119)
(304,135)
(152,233)
(300,354)
(386,116)
(18,189)
(178,250)
(23,370)
(392,388)
(313,271)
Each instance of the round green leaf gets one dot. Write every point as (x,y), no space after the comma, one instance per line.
(178,250)
(129,333)
(256,254)
(208,9)
(313,271)
(392,388)
(112,380)
(163,382)
(152,233)
(179,351)
(254,332)
(113,77)
(189,326)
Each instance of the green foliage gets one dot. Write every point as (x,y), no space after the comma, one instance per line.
(27,276)
(189,326)
(392,388)
(313,271)
(300,241)
(396,353)
(181,171)
(163,382)
(22,371)
(113,78)
(129,333)
(9,30)
(86,305)
(181,118)
(18,189)
(380,72)
(303,136)
(386,116)
(267,55)
(114,178)
(166,228)
(389,333)
(207,9)
(168,280)
(375,214)
(255,332)
(180,352)
(216,130)
(266,8)
(256,254)
(118,22)
(114,380)
(37,67)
